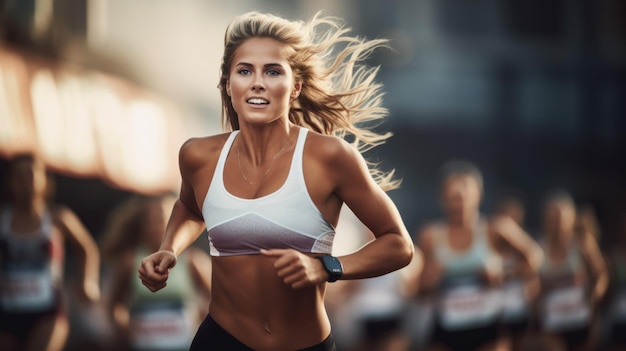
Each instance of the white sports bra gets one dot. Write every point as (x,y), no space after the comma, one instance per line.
(286,218)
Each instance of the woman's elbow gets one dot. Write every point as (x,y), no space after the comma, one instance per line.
(406,253)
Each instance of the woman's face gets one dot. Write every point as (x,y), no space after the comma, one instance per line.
(460,195)
(560,218)
(27,180)
(261,83)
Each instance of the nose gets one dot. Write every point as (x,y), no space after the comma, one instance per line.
(258,84)
(258,87)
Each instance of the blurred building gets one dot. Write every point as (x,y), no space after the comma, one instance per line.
(532,91)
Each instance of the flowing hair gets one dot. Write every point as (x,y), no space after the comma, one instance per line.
(339,94)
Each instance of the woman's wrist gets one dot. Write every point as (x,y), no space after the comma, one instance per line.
(168,249)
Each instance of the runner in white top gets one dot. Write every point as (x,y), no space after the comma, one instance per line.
(461,265)
(32,315)
(568,293)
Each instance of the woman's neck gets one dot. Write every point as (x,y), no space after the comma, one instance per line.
(260,144)
(35,207)
(464,220)
(559,239)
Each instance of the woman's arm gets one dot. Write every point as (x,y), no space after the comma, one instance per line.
(512,235)
(116,301)
(410,276)
(340,175)
(85,248)
(595,261)
(393,248)
(431,274)
(184,226)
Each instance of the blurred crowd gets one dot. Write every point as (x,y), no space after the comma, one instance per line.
(483,281)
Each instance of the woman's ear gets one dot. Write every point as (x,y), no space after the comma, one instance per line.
(228,87)
(296,90)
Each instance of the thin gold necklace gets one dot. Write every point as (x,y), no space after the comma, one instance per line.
(278,153)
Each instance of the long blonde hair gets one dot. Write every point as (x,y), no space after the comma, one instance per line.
(339,95)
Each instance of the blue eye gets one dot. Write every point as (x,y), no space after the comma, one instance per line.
(272,72)
(244,71)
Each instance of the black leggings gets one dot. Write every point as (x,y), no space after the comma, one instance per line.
(212,337)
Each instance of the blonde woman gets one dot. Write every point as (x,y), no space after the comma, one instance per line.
(270,192)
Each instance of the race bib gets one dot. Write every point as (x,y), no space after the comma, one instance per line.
(160,327)
(468,307)
(514,302)
(26,290)
(566,308)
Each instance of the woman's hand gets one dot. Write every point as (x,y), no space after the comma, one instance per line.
(492,270)
(297,269)
(154,269)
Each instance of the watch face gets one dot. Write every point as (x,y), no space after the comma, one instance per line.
(333,264)
(333,267)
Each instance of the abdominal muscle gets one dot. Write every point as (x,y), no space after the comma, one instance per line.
(252,303)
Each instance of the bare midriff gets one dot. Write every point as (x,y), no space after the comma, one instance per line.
(252,303)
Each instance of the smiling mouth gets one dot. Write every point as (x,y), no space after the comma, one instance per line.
(257,101)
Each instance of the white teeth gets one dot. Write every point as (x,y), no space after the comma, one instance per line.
(257,101)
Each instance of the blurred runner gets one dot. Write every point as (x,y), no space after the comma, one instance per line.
(32,236)
(163,320)
(519,287)
(463,269)
(574,277)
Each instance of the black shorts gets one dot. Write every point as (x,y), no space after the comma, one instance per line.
(211,336)
(575,336)
(618,333)
(19,325)
(375,328)
(517,326)
(466,339)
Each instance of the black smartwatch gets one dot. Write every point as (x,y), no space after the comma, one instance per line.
(333,266)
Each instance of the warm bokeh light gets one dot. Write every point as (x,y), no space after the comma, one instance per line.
(144,161)
(16,131)
(87,123)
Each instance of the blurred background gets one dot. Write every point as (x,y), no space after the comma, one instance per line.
(532,91)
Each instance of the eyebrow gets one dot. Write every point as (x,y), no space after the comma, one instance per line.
(267,65)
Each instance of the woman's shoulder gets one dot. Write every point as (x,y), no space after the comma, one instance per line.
(329,147)
(198,145)
(427,233)
(501,227)
(196,151)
